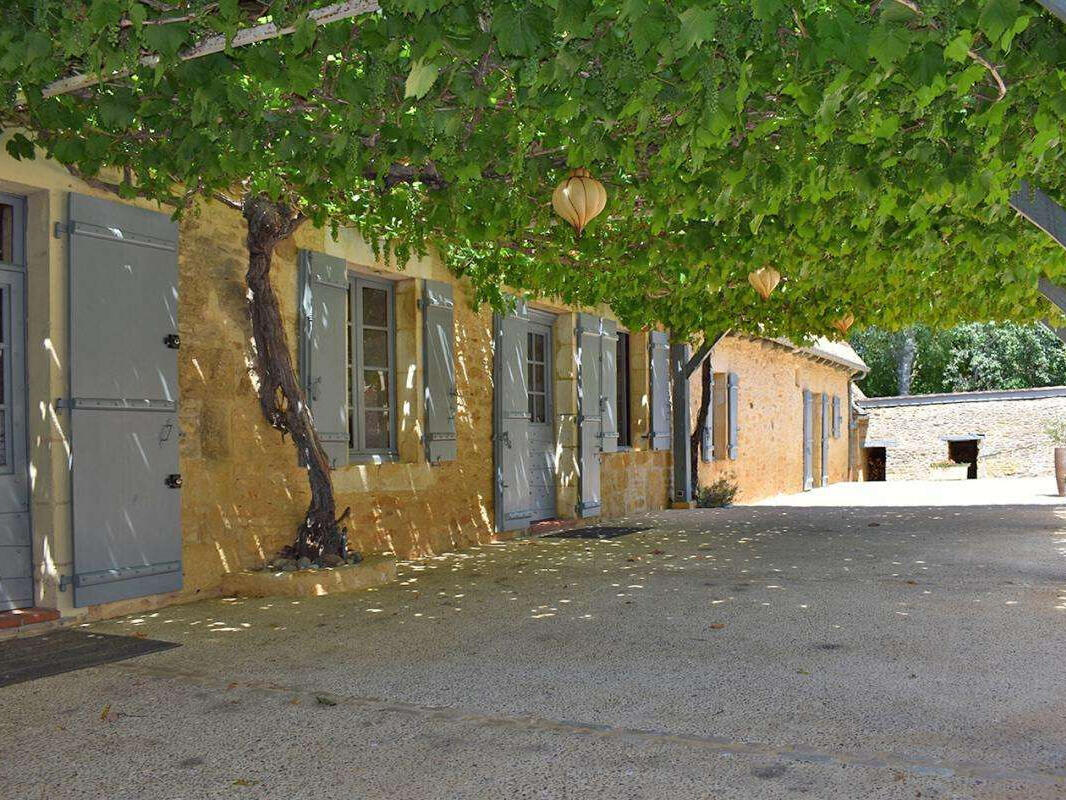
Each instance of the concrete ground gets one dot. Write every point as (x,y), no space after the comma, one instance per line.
(750,652)
(983,492)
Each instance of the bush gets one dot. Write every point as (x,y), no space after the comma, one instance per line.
(718,494)
(1056,431)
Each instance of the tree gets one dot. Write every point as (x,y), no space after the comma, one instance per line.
(986,356)
(867,152)
(905,355)
(971,357)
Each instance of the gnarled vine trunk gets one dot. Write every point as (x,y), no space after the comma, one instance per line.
(280,396)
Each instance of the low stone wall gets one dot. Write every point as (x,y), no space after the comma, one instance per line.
(1015,443)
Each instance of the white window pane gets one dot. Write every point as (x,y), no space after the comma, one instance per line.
(377,430)
(375,388)
(375,306)
(375,348)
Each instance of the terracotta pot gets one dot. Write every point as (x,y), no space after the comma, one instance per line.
(1060,470)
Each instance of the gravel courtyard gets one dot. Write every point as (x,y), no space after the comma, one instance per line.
(752,652)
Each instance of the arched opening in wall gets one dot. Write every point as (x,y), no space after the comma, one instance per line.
(876,458)
(964,450)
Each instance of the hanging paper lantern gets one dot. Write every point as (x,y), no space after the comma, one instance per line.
(844,323)
(764,281)
(579,198)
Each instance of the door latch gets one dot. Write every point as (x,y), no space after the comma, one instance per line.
(174,481)
(172,340)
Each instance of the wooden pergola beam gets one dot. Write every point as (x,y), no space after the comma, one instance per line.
(216,44)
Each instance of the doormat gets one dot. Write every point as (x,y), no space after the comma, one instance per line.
(56,652)
(597,532)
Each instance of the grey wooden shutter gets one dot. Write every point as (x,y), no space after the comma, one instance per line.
(825,439)
(808,440)
(659,390)
(511,429)
(836,417)
(733,384)
(123,401)
(589,402)
(438,341)
(707,434)
(324,349)
(609,386)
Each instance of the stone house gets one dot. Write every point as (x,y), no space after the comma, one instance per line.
(137,470)
(779,420)
(965,434)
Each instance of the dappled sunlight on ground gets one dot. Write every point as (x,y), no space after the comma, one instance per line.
(921,637)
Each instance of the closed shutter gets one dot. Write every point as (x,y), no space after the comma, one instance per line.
(734,424)
(825,439)
(609,386)
(659,361)
(837,426)
(707,434)
(123,401)
(808,440)
(589,401)
(324,349)
(438,325)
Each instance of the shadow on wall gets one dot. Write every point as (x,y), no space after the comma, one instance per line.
(245,494)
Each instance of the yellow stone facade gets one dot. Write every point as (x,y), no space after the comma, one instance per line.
(772,378)
(244,494)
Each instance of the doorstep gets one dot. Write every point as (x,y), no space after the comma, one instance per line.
(316,582)
(27,620)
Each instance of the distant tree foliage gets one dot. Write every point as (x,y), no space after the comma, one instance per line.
(971,357)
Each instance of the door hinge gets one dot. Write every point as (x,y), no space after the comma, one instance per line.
(65,581)
(61,230)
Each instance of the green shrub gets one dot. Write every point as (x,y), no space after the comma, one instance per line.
(718,494)
(1057,431)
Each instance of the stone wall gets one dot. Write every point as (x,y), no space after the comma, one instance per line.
(772,378)
(1015,442)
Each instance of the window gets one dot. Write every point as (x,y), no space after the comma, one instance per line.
(12,245)
(720,416)
(371,361)
(536,376)
(622,394)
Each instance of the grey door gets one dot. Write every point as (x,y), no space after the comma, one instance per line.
(16,551)
(511,424)
(126,506)
(541,427)
(808,440)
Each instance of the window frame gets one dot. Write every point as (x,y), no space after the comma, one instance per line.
(533,364)
(357,449)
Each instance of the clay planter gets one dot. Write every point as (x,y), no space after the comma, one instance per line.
(1060,470)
